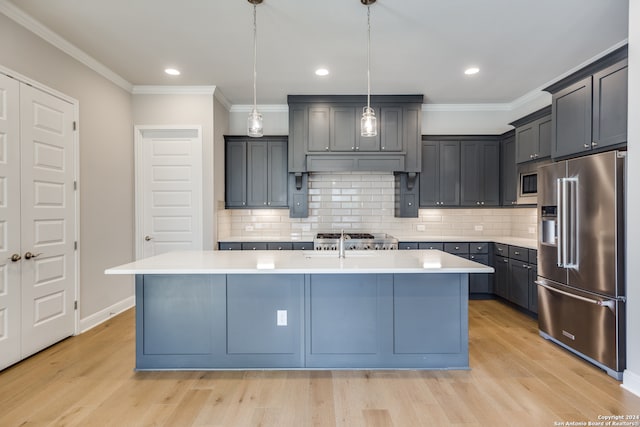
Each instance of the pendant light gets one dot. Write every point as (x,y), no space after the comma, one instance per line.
(368,123)
(254,122)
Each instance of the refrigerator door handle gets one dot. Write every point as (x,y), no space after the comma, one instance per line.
(561,228)
(610,304)
(571,192)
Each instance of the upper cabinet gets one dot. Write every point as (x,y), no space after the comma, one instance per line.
(440,177)
(590,107)
(533,136)
(256,172)
(480,173)
(324,134)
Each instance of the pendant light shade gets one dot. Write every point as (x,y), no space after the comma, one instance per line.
(254,121)
(368,123)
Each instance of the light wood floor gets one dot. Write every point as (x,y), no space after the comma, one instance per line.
(517,378)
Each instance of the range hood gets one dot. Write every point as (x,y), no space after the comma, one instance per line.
(324,134)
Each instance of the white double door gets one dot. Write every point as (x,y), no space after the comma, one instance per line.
(37,220)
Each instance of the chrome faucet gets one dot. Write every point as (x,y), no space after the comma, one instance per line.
(341,245)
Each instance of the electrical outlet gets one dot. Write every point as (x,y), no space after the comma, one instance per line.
(421,227)
(281,318)
(532,230)
(248,228)
(478,228)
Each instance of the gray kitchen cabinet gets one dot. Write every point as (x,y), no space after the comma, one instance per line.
(431,245)
(589,107)
(509,176)
(533,288)
(324,134)
(479,283)
(236,174)
(501,276)
(408,245)
(407,195)
(230,246)
(572,119)
(533,136)
(391,129)
(254,246)
(279,246)
(302,246)
(252,305)
(256,172)
(318,125)
(518,283)
(480,173)
(440,176)
(610,92)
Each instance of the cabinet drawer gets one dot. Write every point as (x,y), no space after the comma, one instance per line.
(456,248)
(519,253)
(302,246)
(478,248)
(229,246)
(254,246)
(481,258)
(431,245)
(533,256)
(279,246)
(408,245)
(501,249)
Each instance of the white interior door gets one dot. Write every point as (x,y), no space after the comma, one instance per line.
(47,218)
(169,173)
(9,221)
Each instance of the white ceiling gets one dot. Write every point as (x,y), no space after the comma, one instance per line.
(417,46)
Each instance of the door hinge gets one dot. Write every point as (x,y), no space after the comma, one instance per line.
(75,305)
(75,126)
(75,185)
(75,245)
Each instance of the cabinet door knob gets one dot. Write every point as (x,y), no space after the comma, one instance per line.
(147,238)
(517,253)
(410,204)
(505,260)
(531,156)
(587,146)
(457,248)
(594,144)
(15,258)
(326,148)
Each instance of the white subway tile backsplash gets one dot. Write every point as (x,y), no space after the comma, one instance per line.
(365,202)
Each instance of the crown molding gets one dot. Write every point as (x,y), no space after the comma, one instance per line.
(45,33)
(172,90)
(217,94)
(465,107)
(267,108)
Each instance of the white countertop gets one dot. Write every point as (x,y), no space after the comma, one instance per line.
(515,241)
(301,262)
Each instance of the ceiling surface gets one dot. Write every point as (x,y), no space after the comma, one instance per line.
(417,46)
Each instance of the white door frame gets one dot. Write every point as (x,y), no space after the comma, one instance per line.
(76,175)
(139,180)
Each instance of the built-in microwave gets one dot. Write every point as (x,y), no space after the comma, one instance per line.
(528,182)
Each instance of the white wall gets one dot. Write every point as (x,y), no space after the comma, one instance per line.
(106,164)
(632,374)
(186,109)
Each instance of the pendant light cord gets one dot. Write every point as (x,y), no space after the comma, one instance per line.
(255,55)
(368,56)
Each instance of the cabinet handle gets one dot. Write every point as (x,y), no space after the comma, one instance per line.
(587,146)
(353,148)
(457,248)
(357,148)
(383,148)
(326,148)
(505,260)
(535,155)
(525,266)
(479,248)
(482,203)
(531,156)
(594,144)
(499,249)
(516,252)
(410,204)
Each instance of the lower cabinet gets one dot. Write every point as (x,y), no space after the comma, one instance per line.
(515,276)
(272,246)
(276,321)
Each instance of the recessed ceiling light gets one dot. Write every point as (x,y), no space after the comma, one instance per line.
(472,70)
(172,71)
(322,72)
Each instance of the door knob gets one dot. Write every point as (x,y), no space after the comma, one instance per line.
(147,238)
(15,258)
(29,255)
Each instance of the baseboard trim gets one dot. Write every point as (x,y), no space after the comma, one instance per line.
(631,382)
(107,313)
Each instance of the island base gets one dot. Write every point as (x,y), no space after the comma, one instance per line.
(296,321)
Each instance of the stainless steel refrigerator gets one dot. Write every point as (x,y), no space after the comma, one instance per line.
(581,257)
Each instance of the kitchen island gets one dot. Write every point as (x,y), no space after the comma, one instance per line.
(302,310)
